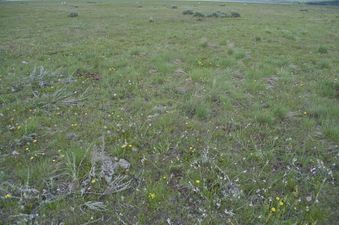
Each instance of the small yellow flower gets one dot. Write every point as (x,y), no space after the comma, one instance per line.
(130,145)
(305,113)
(151,195)
(277,198)
(273,210)
(8,196)
(93,181)
(281,203)
(197,181)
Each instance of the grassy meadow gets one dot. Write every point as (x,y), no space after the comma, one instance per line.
(134,113)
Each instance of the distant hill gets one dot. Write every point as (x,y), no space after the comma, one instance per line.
(311,2)
(335,2)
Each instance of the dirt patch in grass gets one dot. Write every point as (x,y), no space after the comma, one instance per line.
(88,75)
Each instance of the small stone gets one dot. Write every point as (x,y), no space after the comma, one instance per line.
(124,164)
(43,84)
(15,153)
(309,198)
(72,136)
(179,72)
(159,108)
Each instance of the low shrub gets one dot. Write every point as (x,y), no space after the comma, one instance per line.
(188,12)
(322,50)
(235,14)
(73,14)
(198,14)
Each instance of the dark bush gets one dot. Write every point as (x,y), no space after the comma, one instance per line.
(198,14)
(174,7)
(212,15)
(322,50)
(235,14)
(217,14)
(188,12)
(73,14)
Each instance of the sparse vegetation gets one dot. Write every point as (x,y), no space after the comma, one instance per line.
(198,14)
(214,14)
(188,12)
(73,14)
(322,50)
(235,14)
(114,117)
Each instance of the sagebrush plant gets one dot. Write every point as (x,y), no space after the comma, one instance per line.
(107,118)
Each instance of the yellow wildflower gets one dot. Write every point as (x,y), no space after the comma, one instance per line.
(277,198)
(8,196)
(151,195)
(93,181)
(281,203)
(197,181)
(273,209)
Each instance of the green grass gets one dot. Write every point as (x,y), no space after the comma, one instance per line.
(220,119)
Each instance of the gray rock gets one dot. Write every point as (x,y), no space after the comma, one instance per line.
(124,164)
(72,136)
(159,108)
(43,84)
(108,169)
